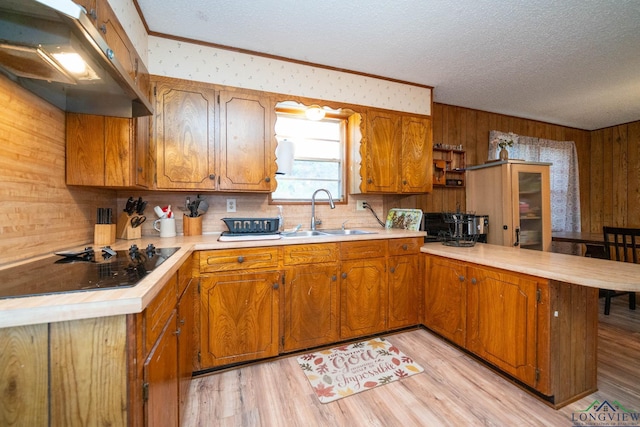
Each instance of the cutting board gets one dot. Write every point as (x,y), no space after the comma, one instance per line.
(408,219)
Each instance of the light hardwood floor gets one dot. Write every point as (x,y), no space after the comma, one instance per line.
(454,390)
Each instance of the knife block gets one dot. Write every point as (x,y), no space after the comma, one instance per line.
(104,234)
(125,230)
(192,226)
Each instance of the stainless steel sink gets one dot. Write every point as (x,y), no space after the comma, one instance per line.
(320,233)
(347,232)
(306,233)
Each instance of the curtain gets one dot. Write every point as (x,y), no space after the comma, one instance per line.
(564,179)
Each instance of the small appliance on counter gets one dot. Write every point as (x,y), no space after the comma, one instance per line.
(86,270)
(250,229)
(455,228)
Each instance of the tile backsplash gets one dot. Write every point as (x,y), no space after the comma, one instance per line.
(255,205)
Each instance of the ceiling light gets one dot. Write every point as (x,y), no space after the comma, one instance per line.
(314,112)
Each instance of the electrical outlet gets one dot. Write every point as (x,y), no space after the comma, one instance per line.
(231,205)
(360,205)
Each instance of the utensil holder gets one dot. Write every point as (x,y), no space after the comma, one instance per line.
(192,226)
(104,234)
(125,230)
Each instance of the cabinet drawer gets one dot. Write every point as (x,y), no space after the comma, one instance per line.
(310,254)
(405,246)
(238,259)
(363,249)
(158,311)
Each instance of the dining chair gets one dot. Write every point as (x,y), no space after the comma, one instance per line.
(621,244)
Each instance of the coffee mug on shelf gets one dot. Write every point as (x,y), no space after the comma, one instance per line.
(166,227)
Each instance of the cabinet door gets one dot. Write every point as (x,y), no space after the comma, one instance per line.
(310,306)
(502,322)
(445,298)
(417,153)
(116,37)
(247,154)
(25,376)
(383,151)
(85,150)
(363,297)
(184,136)
(238,317)
(404,282)
(161,378)
(186,343)
(119,170)
(142,159)
(531,200)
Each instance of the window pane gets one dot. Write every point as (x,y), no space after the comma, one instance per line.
(318,160)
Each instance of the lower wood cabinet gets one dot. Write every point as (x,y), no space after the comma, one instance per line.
(259,302)
(238,317)
(543,333)
(404,278)
(445,298)
(363,288)
(121,370)
(311,297)
(502,311)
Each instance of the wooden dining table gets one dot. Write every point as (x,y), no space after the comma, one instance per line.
(593,242)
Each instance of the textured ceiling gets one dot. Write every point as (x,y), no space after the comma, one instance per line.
(569,62)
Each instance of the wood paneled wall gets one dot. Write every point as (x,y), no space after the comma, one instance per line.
(614,177)
(39,214)
(609,161)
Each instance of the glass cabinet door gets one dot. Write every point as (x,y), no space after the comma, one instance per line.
(531,211)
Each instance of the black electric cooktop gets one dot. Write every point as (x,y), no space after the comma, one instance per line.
(87,270)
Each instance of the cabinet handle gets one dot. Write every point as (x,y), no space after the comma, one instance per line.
(392,269)
(369,181)
(110,53)
(276,286)
(240,259)
(267,179)
(103,28)
(177,332)
(517,242)
(212,176)
(461,278)
(344,275)
(404,182)
(473,280)
(93,15)
(182,321)
(405,247)
(334,278)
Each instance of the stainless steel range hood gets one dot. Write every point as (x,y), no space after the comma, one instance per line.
(33,36)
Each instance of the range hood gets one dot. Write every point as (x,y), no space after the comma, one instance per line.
(35,35)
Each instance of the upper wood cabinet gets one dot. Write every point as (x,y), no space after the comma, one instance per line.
(192,152)
(396,153)
(184,135)
(417,137)
(107,151)
(247,152)
(105,20)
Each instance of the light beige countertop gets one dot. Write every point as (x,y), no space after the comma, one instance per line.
(591,272)
(31,310)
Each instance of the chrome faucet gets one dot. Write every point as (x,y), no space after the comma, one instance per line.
(313,207)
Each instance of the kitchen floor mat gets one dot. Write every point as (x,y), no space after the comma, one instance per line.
(342,371)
